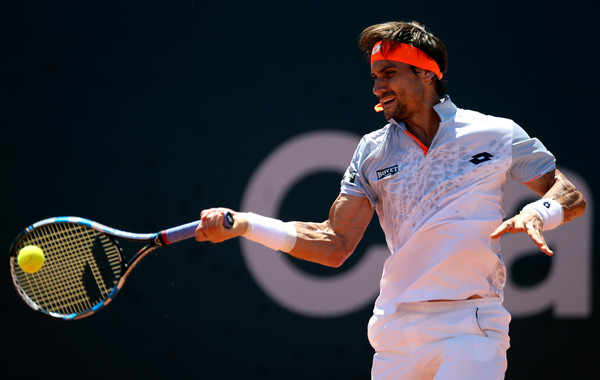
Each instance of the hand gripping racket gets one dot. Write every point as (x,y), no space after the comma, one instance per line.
(83,266)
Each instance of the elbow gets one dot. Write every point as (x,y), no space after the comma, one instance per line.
(582,206)
(338,257)
(334,263)
(576,209)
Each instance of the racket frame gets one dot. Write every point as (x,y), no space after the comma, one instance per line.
(153,240)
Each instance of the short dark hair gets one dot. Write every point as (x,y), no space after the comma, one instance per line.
(411,33)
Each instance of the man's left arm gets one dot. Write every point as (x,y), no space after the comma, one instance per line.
(554,187)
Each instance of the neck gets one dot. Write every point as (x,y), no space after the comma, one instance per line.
(424,125)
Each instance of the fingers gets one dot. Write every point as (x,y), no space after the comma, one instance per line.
(512,225)
(536,235)
(503,228)
(527,222)
(211,227)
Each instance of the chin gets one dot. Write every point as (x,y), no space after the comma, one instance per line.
(393,115)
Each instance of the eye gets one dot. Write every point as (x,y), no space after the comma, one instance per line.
(389,73)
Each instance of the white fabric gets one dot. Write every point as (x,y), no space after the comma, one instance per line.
(438,209)
(549,210)
(270,232)
(450,340)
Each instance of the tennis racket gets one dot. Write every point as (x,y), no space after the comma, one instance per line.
(83,266)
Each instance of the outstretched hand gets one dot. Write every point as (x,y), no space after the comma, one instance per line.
(528,222)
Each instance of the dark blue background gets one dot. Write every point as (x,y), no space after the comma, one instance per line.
(139,114)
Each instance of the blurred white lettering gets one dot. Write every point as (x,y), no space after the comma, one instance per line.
(566,289)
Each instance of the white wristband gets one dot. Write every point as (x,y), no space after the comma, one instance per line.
(549,210)
(270,232)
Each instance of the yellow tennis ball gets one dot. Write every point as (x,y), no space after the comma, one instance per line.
(31,258)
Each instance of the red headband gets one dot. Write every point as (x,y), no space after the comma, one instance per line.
(406,54)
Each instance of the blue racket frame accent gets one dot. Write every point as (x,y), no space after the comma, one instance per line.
(153,240)
(97,226)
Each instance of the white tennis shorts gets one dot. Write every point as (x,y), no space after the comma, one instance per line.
(441,340)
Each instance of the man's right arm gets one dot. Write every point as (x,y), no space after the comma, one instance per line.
(333,241)
(328,243)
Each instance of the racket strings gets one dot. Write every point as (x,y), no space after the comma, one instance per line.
(81,268)
(55,296)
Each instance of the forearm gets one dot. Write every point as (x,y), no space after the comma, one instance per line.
(332,241)
(317,242)
(565,193)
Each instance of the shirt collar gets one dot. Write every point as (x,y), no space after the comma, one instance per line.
(445,110)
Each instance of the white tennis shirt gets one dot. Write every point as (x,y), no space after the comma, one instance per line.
(438,206)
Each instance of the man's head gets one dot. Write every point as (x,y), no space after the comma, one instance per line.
(394,34)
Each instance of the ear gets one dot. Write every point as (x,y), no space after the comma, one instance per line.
(425,74)
(429,75)
(429,78)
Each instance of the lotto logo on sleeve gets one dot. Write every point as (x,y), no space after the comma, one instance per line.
(387,172)
(350,176)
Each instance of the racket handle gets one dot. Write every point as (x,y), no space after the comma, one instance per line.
(228,220)
(188,231)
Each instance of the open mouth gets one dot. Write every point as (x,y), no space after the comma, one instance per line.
(387,100)
(384,101)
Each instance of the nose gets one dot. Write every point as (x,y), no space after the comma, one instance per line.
(379,87)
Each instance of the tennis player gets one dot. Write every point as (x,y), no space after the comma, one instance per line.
(435,176)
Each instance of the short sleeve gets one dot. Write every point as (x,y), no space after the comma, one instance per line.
(530,158)
(354,181)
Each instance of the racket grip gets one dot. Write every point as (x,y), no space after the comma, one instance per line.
(228,220)
(188,231)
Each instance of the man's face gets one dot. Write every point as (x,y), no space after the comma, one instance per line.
(398,88)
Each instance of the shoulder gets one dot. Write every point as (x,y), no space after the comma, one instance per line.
(474,117)
(470,120)
(377,136)
(373,140)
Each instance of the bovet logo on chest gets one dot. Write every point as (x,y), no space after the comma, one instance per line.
(387,172)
